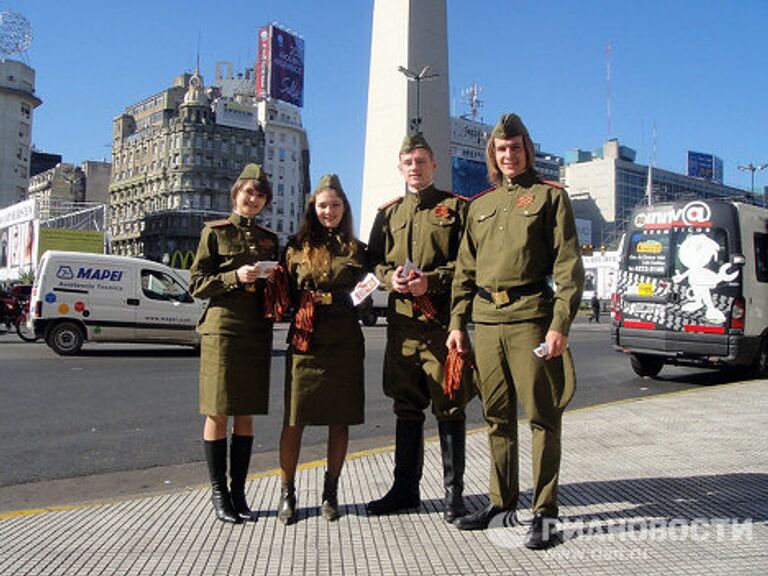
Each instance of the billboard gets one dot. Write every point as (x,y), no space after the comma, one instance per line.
(280,66)
(705,166)
(70,241)
(18,239)
(236,115)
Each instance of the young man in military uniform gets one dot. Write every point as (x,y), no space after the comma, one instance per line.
(519,235)
(413,247)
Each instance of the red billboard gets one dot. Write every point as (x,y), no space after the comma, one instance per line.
(280,66)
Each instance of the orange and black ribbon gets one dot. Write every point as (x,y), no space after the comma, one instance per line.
(304,322)
(454,369)
(424,304)
(277,298)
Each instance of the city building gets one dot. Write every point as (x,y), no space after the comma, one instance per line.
(286,149)
(468,171)
(607,184)
(17,104)
(174,162)
(42,161)
(66,184)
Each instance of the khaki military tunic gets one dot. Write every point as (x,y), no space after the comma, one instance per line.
(236,345)
(425,227)
(518,237)
(325,384)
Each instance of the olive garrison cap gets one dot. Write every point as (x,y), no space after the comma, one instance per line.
(329,181)
(509,126)
(253,172)
(414,142)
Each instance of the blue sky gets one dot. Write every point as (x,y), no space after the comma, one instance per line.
(695,69)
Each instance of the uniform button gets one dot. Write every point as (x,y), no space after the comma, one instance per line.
(526,212)
(504,210)
(501,227)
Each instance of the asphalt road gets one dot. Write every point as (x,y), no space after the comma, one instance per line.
(125,416)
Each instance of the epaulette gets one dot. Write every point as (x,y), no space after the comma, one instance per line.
(457,195)
(482,193)
(553,184)
(391,203)
(265,229)
(219,223)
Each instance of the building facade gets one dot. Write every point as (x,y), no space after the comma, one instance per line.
(17,104)
(174,162)
(605,186)
(286,148)
(469,174)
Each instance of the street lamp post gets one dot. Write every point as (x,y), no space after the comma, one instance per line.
(414,77)
(752,169)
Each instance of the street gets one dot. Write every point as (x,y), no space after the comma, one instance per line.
(128,408)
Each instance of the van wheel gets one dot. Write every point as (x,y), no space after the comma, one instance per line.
(646,366)
(65,339)
(369,319)
(761,360)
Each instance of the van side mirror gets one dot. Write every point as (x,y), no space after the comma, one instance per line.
(738,260)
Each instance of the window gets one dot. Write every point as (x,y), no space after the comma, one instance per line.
(761,256)
(157,285)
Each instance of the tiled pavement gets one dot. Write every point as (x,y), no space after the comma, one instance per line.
(676,484)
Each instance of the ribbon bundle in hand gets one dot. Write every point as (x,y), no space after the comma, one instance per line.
(304,321)
(424,304)
(454,369)
(277,296)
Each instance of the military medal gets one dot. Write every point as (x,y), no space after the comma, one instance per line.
(441,211)
(524,200)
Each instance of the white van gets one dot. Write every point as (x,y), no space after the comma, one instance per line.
(693,287)
(79,297)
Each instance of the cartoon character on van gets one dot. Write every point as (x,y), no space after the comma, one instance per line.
(696,252)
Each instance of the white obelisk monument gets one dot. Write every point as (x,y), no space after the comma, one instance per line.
(409,34)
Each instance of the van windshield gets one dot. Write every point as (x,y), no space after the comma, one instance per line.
(663,255)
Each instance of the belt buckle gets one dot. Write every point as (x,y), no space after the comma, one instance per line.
(500,298)
(326,298)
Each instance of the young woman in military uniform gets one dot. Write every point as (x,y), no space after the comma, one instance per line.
(324,370)
(236,345)
(518,236)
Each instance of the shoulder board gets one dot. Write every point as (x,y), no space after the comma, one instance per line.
(553,184)
(218,223)
(391,203)
(457,195)
(482,193)
(267,230)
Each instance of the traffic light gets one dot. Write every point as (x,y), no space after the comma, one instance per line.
(587,249)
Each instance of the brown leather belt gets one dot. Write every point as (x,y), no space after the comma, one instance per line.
(504,297)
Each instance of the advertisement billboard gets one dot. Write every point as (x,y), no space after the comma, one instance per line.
(280,66)
(18,239)
(705,166)
(70,241)
(237,115)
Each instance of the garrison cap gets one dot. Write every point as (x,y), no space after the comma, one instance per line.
(329,181)
(509,126)
(413,142)
(253,172)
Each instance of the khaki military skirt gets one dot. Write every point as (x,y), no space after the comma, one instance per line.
(234,374)
(325,385)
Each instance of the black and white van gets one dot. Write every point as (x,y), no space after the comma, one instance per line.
(692,287)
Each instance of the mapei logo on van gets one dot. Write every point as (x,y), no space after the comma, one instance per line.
(100,274)
(65,273)
(694,213)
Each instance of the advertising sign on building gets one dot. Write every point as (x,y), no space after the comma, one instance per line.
(280,66)
(705,166)
(237,115)
(18,239)
(584,230)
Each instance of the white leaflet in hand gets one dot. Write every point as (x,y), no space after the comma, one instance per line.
(541,350)
(364,288)
(265,267)
(409,267)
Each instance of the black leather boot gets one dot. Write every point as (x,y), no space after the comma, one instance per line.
(409,463)
(286,508)
(330,507)
(541,533)
(239,460)
(452,446)
(216,458)
(479,520)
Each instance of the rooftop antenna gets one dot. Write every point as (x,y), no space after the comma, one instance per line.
(649,187)
(608,50)
(471,97)
(15,34)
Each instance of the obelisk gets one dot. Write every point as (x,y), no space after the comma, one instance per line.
(411,34)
